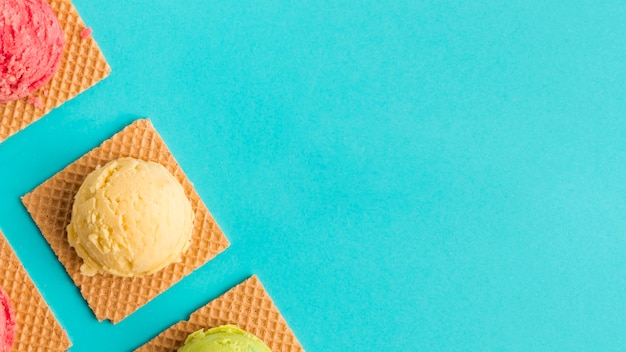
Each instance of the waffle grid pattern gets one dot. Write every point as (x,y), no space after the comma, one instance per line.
(37,328)
(82,66)
(248,306)
(50,204)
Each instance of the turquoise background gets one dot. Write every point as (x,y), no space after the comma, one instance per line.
(401,175)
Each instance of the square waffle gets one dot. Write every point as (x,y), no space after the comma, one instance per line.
(82,66)
(247,305)
(50,205)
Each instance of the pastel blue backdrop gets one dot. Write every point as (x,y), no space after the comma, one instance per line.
(401,175)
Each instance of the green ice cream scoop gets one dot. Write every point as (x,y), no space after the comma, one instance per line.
(225,338)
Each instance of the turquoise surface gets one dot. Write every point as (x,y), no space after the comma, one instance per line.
(401,175)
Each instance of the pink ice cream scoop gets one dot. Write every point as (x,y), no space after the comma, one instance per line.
(7,322)
(31,47)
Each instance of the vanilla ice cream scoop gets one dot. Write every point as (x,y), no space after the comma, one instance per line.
(130,218)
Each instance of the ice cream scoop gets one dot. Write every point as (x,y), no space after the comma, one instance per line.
(31,47)
(7,322)
(225,338)
(130,218)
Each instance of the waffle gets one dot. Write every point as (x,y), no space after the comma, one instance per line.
(82,66)
(248,306)
(50,205)
(37,328)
